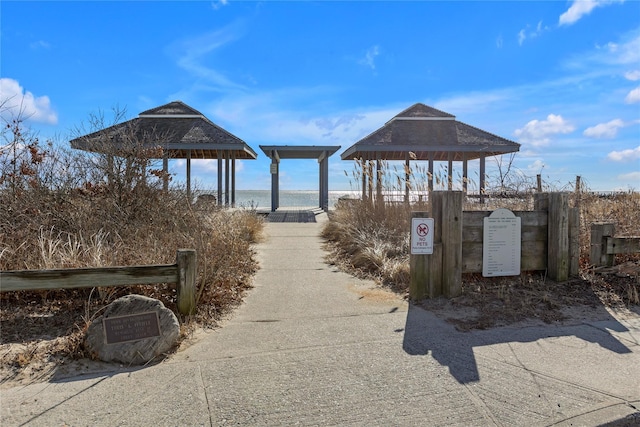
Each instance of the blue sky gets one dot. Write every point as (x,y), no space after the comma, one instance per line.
(560,77)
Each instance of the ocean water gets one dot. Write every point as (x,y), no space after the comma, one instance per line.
(261,199)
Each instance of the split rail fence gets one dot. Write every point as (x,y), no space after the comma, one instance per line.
(182,273)
(549,239)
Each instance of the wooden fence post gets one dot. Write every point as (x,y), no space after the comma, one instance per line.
(186,284)
(574,241)
(598,248)
(541,202)
(447,215)
(418,265)
(558,237)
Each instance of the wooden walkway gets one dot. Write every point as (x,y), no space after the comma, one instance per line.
(291,214)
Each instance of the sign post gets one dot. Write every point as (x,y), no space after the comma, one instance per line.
(422,230)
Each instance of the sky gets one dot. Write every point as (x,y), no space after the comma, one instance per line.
(562,78)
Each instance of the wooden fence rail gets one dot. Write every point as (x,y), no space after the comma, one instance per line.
(604,246)
(183,273)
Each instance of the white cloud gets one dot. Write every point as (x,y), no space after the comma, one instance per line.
(525,33)
(370,57)
(633,97)
(604,130)
(215,5)
(632,176)
(535,167)
(580,8)
(40,44)
(193,53)
(16,102)
(625,155)
(632,75)
(538,132)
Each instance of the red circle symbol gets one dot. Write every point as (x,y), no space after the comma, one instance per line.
(422,229)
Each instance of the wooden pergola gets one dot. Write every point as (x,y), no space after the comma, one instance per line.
(424,133)
(318,152)
(176,131)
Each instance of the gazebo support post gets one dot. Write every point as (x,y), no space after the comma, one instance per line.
(370,179)
(324,181)
(233,180)
(219,178)
(226,179)
(465,172)
(189,176)
(378,179)
(165,172)
(275,191)
(407,178)
(450,171)
(482,179)
(430,174)
(363,166)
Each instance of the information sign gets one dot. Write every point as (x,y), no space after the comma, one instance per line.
(501,244)
(421,236)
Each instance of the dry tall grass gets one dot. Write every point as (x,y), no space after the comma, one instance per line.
(370,237)
(64,209)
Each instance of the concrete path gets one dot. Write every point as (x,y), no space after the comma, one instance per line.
(314,346)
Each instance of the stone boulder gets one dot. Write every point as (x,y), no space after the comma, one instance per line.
(133,330)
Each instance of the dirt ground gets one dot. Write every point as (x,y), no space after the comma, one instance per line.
(42,334)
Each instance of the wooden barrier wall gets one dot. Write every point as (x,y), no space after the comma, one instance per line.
(549,241)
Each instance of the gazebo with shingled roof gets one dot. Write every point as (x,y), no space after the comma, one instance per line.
(424,133)
(181,132)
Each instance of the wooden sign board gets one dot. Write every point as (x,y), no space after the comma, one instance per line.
(501,244)
(132,327)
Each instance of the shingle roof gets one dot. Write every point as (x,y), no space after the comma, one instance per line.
(425,131)
(177,128)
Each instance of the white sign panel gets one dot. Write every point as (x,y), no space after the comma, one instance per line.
(501,245)
(421,236)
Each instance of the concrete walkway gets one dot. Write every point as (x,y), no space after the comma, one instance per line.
(314,346)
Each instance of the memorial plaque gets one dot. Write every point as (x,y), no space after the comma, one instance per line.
(501,245)
(133,327)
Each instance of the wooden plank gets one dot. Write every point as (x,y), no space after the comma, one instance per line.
(447,212)
(574,239)
(86,277)
(529,218)
(528,234)
(533,256)
(597,251)
(622,245)
(558,232)
(434,278)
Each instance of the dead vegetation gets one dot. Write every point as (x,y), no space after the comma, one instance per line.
(63,209)
(372,240)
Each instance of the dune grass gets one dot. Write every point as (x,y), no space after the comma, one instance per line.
(370,238)
(68,209)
